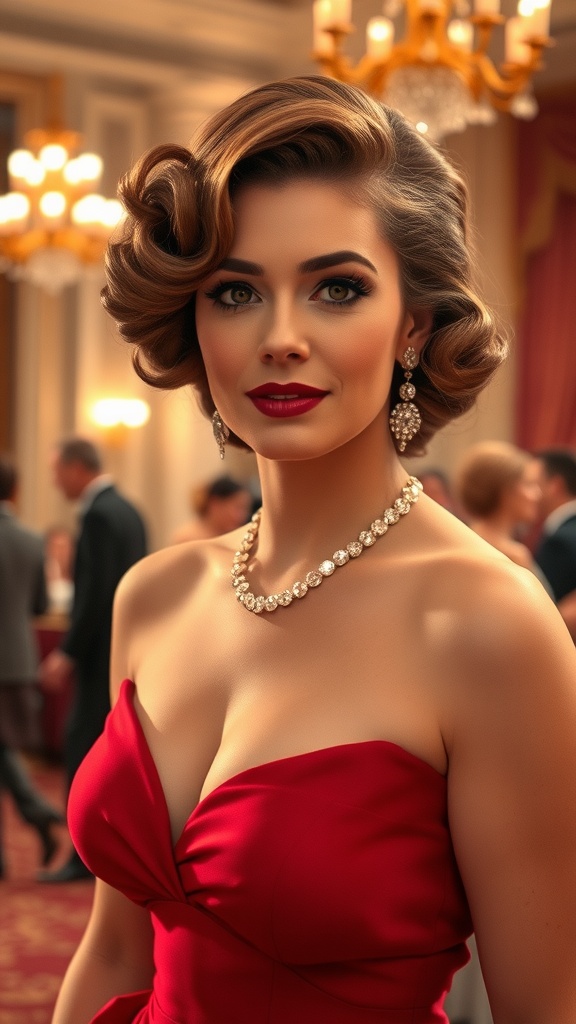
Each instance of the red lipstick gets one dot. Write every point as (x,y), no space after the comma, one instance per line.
(282,400)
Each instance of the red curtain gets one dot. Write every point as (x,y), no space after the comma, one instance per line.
(546,403)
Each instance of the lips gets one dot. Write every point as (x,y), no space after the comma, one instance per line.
(282,400)
(284,391)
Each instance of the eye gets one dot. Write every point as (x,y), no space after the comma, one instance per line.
(233,294)
(338,292)
(239,295)
(341,291)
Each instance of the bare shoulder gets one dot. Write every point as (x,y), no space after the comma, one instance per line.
(157,591)
(171,574)
(491,629)
(146,582)
(503,669)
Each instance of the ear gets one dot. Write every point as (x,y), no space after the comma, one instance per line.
(415,329)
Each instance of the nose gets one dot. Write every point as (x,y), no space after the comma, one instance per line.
(284,340)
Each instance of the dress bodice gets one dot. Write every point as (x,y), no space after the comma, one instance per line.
(316,889)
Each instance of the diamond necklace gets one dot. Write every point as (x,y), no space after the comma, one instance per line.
(408,496)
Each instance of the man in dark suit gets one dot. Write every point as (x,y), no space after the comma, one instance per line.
(556,553)
(22,595)
(112,537)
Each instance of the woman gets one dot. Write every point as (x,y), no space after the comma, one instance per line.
(293,267)
(220,507)
(498,490)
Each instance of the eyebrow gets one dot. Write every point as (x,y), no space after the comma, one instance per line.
(330,259)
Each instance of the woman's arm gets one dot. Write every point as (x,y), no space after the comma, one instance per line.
(512,786)
(115,954)
(114,957)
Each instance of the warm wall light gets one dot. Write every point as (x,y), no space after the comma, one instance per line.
(120,412)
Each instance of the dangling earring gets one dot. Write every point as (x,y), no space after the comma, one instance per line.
(220,431)
(405,420)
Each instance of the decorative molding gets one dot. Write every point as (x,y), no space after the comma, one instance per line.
(28,94)
(226,35)
(117,127)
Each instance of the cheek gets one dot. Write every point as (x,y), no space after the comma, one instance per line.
(525,503)
(218,355)
(225,339)
(533,501)
(208,334)
(369,359)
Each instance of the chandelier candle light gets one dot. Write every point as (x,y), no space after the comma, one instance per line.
(53,222)
(439,75)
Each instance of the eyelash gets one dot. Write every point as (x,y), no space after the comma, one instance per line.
(354,282)
(225,286)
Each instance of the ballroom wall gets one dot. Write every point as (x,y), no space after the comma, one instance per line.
(139,82)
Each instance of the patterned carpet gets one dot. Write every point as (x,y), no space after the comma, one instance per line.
(40,925)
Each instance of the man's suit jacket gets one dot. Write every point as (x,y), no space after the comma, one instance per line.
(22,595)
(556,556)
(112,538)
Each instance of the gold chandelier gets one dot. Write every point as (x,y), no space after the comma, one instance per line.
(439,74)
(53,223)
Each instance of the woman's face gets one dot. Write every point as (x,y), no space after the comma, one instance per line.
(300,326)
(523,497)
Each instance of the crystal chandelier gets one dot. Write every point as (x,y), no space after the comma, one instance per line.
(439,74)
(53,223)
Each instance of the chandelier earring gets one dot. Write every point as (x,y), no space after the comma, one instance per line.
(405,419)
(220,431)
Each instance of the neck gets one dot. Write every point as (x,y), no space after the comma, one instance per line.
(314,506)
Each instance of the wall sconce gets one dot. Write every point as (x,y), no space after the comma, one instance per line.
(116,416)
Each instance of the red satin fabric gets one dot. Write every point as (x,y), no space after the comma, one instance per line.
(316,889)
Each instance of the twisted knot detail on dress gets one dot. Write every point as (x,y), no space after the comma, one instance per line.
(320,888)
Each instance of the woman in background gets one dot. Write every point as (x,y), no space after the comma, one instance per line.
(347,731)
(219,507)
(500,494)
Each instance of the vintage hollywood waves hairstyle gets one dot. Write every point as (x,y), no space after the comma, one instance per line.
(180,226)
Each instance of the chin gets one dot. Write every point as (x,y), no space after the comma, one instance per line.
(285,449)
(282,441)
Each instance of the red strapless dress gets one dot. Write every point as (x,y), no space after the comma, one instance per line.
(316,889)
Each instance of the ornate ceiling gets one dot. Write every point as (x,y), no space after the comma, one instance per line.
(159,41)
(156,41)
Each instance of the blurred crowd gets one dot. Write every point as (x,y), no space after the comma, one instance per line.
(522,504)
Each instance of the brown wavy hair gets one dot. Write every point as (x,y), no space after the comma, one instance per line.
(180,226)
(486,472)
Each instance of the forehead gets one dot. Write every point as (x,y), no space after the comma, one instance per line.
(305,218)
